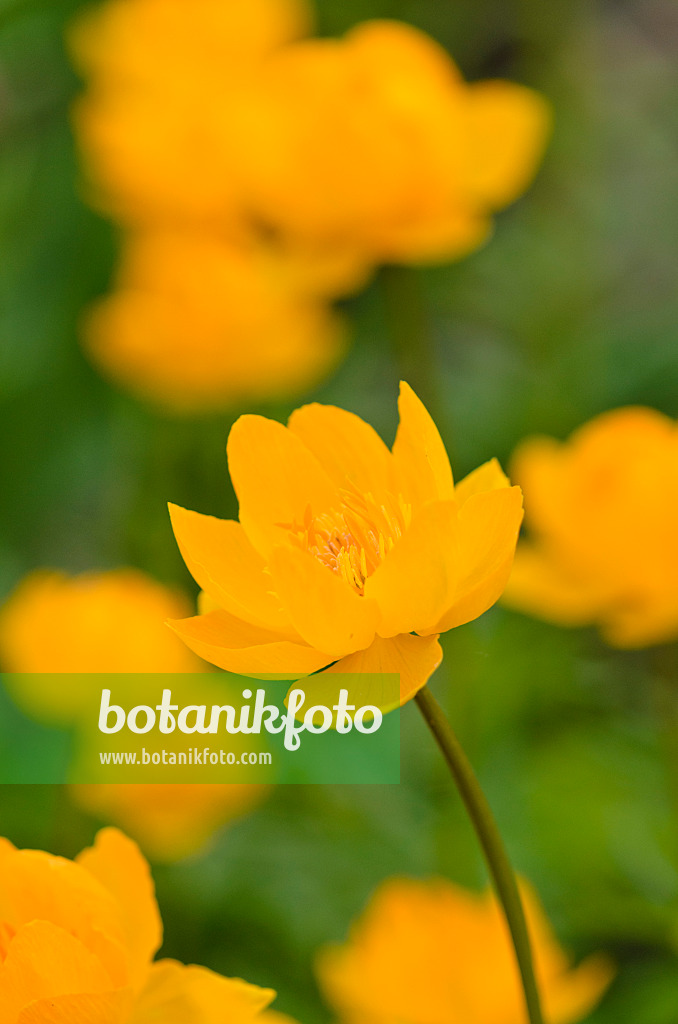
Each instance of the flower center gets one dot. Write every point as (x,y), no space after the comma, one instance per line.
(354,539)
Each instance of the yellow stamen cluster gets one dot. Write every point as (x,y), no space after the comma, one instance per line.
(354,539)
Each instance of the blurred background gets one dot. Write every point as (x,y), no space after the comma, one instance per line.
(570,309)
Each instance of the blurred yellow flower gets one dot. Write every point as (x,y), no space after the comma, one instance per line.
(373,144)
(433,953)
(163,77)
(602,513)
(195,323)
(260,174)
(170,821)
(97,622)
(376,144)
(345,552)
(77,940)
(112,622)
(208,309)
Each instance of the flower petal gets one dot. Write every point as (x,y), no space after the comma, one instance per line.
(325,610)
(437,238)
(574,994)
(175,994)
(240,647)
(540,586)
(119,865)
(36,886)
(43,961)
(569,993)
(414,584)
(6,848)
(413,658)
(171,820)
(422,464)
(488,532)
(509,127)
(488,477)
(641,623)
(541,466)
(222,561)
(104,1008)
(276,479)
(349,449)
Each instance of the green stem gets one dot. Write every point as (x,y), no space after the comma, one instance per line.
(492,844)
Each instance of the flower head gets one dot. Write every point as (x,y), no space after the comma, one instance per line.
(225,115)
(432,953)
(111,622)
(163,76)
(259,174)
(376,143)
(196,322)
(96,622)
(346,554)
(170,821)
(208,308)
(77,941)
(603,545)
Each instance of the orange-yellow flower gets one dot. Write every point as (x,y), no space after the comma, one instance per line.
(208,309)
(77,941)
(112,622)
(602,513)
(97,622)
(259,175)
(432,953)
(346,554)
(163,76)
(372,144)
(170,821)
(375,143)
(196,323)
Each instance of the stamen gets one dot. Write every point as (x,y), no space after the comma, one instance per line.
(354,539)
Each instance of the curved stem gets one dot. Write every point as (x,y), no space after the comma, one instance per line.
(492,844)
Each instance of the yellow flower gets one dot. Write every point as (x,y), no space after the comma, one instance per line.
(375,143)
(345,552)
(97,622)
(221,115)
(163,75)
(602,511)
(432,953)
(259,175)
(77,940)
(170,821)
(196,323)
(112,622)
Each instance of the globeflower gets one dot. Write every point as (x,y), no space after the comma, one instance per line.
(376,143)
(196,322)
(259,175)
(77,941)
(162,78)
(111,622)
(95,622)
(603,546)
(431,952)
(171,820)
(346,554)
(226,115)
